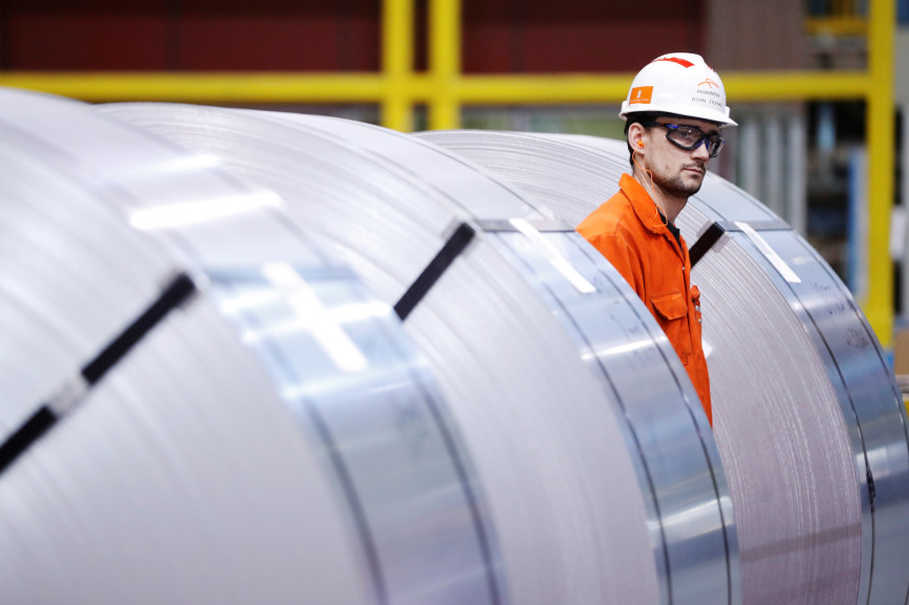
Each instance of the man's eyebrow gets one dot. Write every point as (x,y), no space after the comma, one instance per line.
(712,131)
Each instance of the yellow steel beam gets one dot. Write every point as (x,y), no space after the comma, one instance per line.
(444,63)
(795,85)
(397,63)
(589,88)
(203,87)
(880,141)
(402,88)
(543,89)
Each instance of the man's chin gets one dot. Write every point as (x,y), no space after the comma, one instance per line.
(684,184)
(693,183)
(684,187)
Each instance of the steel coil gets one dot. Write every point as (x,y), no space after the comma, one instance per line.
(276,440)
(540,386)
(810,427)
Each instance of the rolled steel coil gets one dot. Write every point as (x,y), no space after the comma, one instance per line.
(273,440)
(588,477)
(809,424)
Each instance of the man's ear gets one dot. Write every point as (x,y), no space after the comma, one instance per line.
(636,137)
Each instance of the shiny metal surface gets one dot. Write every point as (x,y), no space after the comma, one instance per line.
(870,402)
(783,432)
(549,454)
(691,504)
(663,425)
(347,371)
(147,488)
(871,407)
(820,383)
(692,555)
(276,441)
(679,454)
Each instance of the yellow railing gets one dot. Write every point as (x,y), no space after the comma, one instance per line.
(397,88)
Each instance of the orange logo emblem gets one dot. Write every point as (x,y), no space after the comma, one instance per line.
(708,82)
(640,94)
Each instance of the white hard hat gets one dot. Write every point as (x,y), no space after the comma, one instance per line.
(679,83)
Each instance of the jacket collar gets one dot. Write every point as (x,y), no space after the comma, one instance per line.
(643,205)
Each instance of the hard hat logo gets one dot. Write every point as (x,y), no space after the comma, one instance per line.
(678,83)
(641,94)
(680,61)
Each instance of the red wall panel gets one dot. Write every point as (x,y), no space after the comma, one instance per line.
(499,35)
(580,35)
(266,43)
(67,41)
(200,35)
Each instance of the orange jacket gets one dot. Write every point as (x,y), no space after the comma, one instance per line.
(630,232)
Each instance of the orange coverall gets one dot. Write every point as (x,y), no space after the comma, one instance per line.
(629,231)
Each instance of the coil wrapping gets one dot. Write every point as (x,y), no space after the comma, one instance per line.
(804,404)
(235,455)
(505,363)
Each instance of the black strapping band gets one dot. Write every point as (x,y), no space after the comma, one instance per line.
(705,242)
(30,431)
(178,290)
(434,270)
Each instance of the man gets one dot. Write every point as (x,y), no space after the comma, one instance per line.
(674,110)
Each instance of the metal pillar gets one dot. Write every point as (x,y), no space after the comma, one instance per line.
(444,63)
(397,63)
(905,196)
(879,303)
(796,149)
(750,157)
(774,155)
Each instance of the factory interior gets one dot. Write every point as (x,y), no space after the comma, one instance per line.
(298,304)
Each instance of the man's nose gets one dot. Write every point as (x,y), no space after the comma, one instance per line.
(700,152)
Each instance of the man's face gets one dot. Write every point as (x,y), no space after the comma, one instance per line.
(676,171)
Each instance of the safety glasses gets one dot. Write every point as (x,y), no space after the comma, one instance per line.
(690,138)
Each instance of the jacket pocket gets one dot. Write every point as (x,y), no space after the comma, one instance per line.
(671,311)
(670,306)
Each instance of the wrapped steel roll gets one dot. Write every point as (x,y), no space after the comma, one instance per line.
(274,440)
(549,450)
(808,421)
(666,427)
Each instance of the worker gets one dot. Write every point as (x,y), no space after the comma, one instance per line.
(674,113)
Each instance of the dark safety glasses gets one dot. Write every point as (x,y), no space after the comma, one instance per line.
(689,138)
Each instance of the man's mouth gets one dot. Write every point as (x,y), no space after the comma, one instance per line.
(696,169)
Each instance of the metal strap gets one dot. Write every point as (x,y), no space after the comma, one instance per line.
(705,242)
(541,225)
(456,244)
(73,391)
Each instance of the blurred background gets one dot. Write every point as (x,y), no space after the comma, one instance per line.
(819,87)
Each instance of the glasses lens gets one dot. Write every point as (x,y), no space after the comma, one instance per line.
(715,144)
(690,137)
(686,136)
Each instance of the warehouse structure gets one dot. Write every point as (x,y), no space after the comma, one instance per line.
(269,356)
